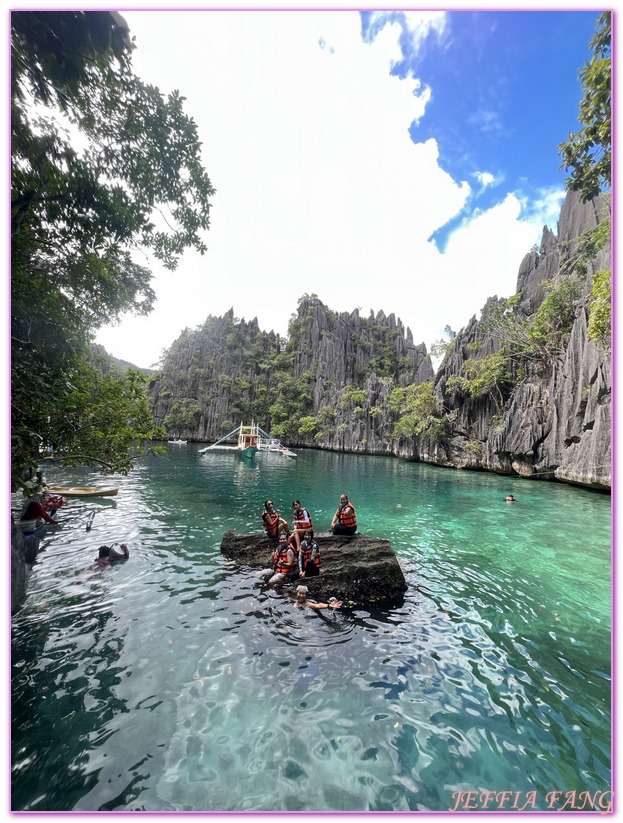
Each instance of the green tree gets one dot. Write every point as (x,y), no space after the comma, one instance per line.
(417,407)
(103,420)
(600,310)
(588,152)
(102,164)
(488,375)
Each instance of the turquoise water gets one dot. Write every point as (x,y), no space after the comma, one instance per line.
(172,682)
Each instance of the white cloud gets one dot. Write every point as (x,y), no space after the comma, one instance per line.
(486,179)
(319,187)
(544,208)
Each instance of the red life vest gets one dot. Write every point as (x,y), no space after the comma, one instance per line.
(271,519)
(281,560)
(307,554)
(302,520)
(347,519)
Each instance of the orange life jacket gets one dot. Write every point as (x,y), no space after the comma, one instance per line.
(302,520)
(307,554)
(281,560)
(271,519)
(347,519)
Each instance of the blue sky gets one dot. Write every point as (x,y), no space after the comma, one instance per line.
(504,94)
(395,161)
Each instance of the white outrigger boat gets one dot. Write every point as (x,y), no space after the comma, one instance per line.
(247,445)
(271,445)
(251,440)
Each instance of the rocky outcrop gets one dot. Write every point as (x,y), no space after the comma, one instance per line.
(23,553)
(556,423)
(332,384)
(326,387)
(357,569)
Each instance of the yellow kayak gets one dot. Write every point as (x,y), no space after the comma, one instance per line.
(83,491)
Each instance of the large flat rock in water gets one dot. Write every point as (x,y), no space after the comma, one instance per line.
(356,569)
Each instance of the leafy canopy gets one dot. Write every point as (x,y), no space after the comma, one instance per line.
(102,165)
(588,152)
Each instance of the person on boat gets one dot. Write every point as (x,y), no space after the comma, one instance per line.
(284,567)
(510,499)
(344,520)
(302,523)
(108,554)
(41,481)
(274,523)
(33,510)
(309,556)
(301,600)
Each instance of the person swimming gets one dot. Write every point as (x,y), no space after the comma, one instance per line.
(108,554)
(301,600)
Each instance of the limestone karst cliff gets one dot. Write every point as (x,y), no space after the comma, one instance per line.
(552,419)
(522,390)
(325,386)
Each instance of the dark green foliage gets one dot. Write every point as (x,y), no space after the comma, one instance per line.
(101,164)
(184,416)
(419,414)
(600,310)
(588,152)
(87,418)
(486,375)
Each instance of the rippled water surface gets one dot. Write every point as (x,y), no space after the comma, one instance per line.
(171,682)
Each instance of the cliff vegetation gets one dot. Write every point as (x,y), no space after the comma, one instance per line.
(525,389)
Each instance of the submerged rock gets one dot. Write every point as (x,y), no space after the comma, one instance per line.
(356,569)
(23,553)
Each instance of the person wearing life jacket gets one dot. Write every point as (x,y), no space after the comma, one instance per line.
(33,510)
(302,522)
(284,567)
(309,556)
(344,520)
(274,523)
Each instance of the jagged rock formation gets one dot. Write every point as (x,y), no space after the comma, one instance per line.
(357,569)
(327,387)
(556,423)
(330,384)
(215,377)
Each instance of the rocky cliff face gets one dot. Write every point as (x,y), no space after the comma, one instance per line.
(330,384)
(556,423)
(327,386)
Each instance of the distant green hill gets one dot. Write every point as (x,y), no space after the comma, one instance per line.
(121,365)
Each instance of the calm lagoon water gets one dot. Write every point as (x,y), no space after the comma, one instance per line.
(172,682)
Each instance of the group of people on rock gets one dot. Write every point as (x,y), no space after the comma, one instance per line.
(297,554)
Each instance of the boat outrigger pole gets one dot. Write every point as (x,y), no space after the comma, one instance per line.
(235,431)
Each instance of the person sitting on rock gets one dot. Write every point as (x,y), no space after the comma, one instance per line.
(309,556)
(302,523)
(301,600)
(284,568)
(274,523)
(344,520)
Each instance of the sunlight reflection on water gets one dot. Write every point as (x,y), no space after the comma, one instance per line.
(183,686)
